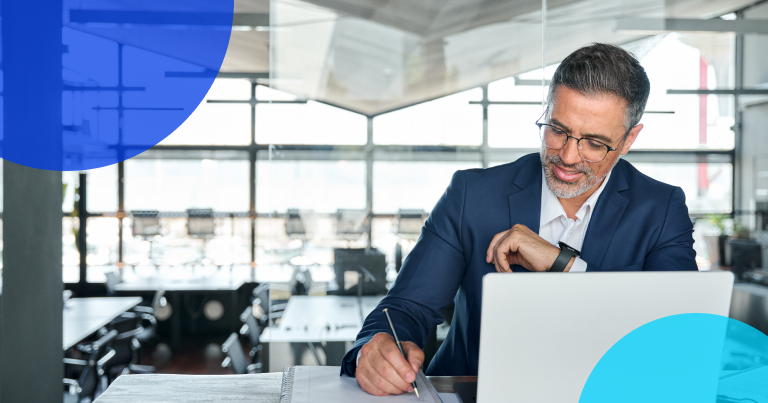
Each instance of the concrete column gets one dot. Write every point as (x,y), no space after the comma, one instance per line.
(31,368)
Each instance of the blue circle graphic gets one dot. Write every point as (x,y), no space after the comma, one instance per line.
(130,73)
(683,358)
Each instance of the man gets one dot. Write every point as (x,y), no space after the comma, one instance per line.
(577,194)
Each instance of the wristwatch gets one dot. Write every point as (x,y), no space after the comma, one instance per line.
(566,253)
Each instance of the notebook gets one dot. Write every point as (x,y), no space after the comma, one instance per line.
(305,384)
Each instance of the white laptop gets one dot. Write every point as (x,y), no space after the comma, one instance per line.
(545,329)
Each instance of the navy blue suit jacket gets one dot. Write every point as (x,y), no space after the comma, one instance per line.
(638,224)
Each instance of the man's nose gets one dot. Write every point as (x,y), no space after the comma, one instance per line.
(570,153)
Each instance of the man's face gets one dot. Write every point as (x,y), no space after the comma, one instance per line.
(600,117)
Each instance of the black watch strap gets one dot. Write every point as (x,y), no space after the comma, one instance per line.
(566,253)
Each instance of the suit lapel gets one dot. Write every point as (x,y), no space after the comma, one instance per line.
(525,199)
(608,211)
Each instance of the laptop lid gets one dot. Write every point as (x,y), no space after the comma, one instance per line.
(542,333)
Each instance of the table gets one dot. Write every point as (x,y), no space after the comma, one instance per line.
(259,388)
(84,316)
(321,318)
(334,320)
(175,287)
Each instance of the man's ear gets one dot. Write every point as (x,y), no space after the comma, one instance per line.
(631,137)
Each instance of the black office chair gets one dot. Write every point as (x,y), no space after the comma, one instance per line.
(126,346)
(147,314)
(276,308)
(98,354)
(253,331)
(236,357)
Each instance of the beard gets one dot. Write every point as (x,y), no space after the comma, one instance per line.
(568,190)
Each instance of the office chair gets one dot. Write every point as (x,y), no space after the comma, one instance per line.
(113,279)
(149,322)
(146,224)
(126,346)
(99,354)
(294,225)
(275,310)
(351,224)
(253,331)
(236,357)
(200,225)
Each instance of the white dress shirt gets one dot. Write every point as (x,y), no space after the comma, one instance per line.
(555,226)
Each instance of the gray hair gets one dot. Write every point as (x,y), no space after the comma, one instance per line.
(601,68)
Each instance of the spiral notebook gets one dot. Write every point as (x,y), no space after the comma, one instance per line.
(305,384)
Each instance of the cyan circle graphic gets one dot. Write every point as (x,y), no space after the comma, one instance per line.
(683,358)
(131,71)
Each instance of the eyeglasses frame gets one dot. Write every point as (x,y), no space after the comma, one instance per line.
(578,140)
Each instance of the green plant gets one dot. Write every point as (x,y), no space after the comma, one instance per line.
(719,221)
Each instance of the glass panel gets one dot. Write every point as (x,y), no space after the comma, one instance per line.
(310,123)
(451,120)
(218,123)
(70,181)
(708,187)
(514,126)
(321,186)
(102,189)
(70,258)
(102,241)
(411,185)
(177,185)
(688,61)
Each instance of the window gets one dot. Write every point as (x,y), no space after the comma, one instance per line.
(321,186)
(175,185)
(218,123)
(305,123)
(707,186)
(411,185)
(450,120)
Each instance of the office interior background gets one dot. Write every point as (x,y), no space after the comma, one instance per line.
(334,127)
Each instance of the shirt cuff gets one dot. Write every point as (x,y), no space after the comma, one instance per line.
(579,266)
(357,361)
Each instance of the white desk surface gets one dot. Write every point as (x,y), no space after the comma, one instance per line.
(180,284)
(256,388)
(84,316)
(321,318)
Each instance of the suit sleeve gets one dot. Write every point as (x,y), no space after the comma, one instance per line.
(673,250)
(428,280)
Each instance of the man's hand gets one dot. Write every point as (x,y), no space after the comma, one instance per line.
(523,247)
(382,370)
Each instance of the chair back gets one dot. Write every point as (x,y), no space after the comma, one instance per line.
(127,326)
(145,223)
(234,351)
(89,378)
(294,225)
(254,332)
(113,279)
(157,299)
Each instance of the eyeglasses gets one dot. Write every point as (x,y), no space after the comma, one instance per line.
(555,138)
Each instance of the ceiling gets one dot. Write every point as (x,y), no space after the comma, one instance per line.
(374,56)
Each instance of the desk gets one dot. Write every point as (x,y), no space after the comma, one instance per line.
(332,319)
(176,287)
(321,318)
(261,388)
(84,316)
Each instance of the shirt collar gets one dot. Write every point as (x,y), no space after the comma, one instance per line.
(552,209)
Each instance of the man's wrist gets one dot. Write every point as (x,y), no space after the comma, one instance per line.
(569,265)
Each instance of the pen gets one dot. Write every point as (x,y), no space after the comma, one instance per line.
(400,346)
